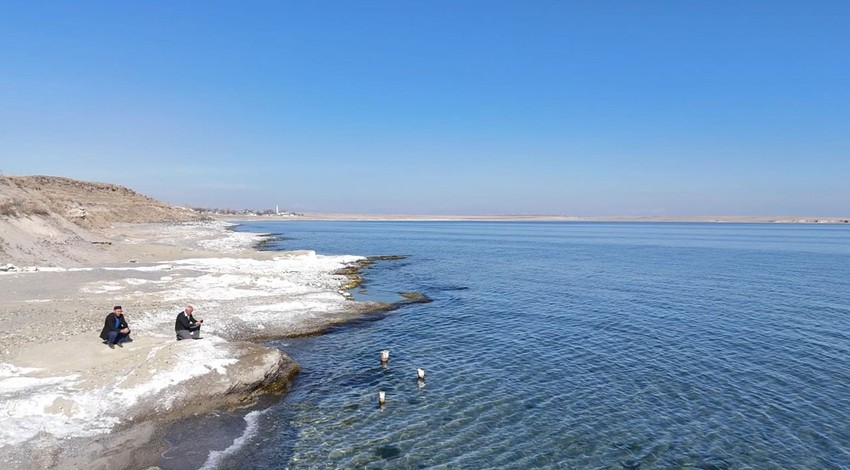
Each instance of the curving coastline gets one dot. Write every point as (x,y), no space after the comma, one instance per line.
(70,402)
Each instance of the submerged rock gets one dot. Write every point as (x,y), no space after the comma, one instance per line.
(386,258)
(388,452)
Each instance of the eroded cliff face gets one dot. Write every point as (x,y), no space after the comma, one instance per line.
(52,220)
(93,205)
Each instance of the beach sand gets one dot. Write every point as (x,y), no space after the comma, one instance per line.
(68,401)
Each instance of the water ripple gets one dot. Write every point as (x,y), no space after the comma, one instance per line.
(580,346)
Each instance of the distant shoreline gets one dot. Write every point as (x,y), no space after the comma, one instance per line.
(532,218)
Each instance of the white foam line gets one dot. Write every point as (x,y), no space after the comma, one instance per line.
(216,456)
(8,370)
(158,267)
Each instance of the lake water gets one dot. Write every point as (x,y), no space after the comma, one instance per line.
(572,345)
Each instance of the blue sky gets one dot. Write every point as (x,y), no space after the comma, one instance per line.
(435,107)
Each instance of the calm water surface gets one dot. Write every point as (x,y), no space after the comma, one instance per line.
(573,345)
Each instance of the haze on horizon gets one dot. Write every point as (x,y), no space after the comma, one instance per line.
(577,108)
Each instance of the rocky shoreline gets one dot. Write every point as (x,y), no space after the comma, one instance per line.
(70,402)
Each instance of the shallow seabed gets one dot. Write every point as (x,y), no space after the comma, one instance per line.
(574,345)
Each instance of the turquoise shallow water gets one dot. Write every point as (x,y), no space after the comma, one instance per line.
(570,345)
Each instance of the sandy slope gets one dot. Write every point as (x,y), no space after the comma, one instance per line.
(58,221)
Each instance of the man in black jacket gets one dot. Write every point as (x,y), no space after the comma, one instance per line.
(186,326)
(115,328)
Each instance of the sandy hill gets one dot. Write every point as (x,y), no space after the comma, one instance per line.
(53,220)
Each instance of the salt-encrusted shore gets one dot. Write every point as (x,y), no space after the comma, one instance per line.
(68,401)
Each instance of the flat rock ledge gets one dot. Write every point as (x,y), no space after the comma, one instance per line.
(128,405)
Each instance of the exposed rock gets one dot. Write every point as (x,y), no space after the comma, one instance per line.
(197,383)
(354,270)
(415,298)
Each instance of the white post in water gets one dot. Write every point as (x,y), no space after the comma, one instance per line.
(385,356)
(382,398)
(421,374)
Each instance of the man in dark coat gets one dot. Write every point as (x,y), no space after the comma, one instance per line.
(115,328)
(186,326)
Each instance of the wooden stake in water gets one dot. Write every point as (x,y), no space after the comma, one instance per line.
(382,398)
(385,356)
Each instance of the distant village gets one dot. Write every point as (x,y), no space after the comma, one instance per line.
(276,212)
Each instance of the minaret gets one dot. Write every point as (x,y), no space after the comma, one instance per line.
(277,209)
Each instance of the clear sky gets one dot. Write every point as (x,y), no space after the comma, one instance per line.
(431,107)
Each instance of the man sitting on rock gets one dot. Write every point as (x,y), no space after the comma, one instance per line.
(115,328)
(187,326)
